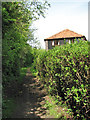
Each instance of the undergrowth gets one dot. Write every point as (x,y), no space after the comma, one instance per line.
(57,109)
(9,92)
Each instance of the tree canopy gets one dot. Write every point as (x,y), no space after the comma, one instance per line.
(17,17)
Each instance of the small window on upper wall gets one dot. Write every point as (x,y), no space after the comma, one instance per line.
(58,42)
(61,42)
(66,41)
(53,43)
(69,42)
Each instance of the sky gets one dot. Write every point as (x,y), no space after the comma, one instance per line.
(72,14)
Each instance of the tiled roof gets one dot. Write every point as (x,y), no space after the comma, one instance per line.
(65,34)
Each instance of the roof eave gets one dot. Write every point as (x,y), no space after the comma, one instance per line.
(63,38)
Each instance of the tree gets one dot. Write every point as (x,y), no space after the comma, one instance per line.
(17,17)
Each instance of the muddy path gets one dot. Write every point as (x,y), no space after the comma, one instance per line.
(30,99)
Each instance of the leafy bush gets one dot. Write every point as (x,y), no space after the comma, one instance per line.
(36,52)
(17,20)
(65,71)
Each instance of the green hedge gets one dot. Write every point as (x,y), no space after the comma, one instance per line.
(65,72)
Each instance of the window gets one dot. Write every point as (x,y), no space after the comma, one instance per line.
(66,41)
(61,42)
(53,43)
(56,42)
(69,42)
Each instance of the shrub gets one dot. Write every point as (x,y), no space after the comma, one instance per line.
(65,71)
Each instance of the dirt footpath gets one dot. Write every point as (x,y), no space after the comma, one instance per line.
(30,99)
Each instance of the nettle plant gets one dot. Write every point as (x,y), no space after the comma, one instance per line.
(65,72)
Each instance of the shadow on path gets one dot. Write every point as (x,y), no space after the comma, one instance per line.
(30,99)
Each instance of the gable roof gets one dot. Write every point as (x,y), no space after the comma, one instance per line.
(65,34)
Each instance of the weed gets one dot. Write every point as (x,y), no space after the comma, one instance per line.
(57,111)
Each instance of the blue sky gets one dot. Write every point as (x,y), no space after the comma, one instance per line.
(62,15)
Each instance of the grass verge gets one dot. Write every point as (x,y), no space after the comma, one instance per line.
(57,109)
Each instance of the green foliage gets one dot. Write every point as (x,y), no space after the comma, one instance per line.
(65,72)
(36,52)
(17,19)
(56,109)
(22,75)
(8,107)
(13,40)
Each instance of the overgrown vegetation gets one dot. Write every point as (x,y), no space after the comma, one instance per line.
(64,71)
(17,19)
(10,92)
(57,109)
(36,52)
